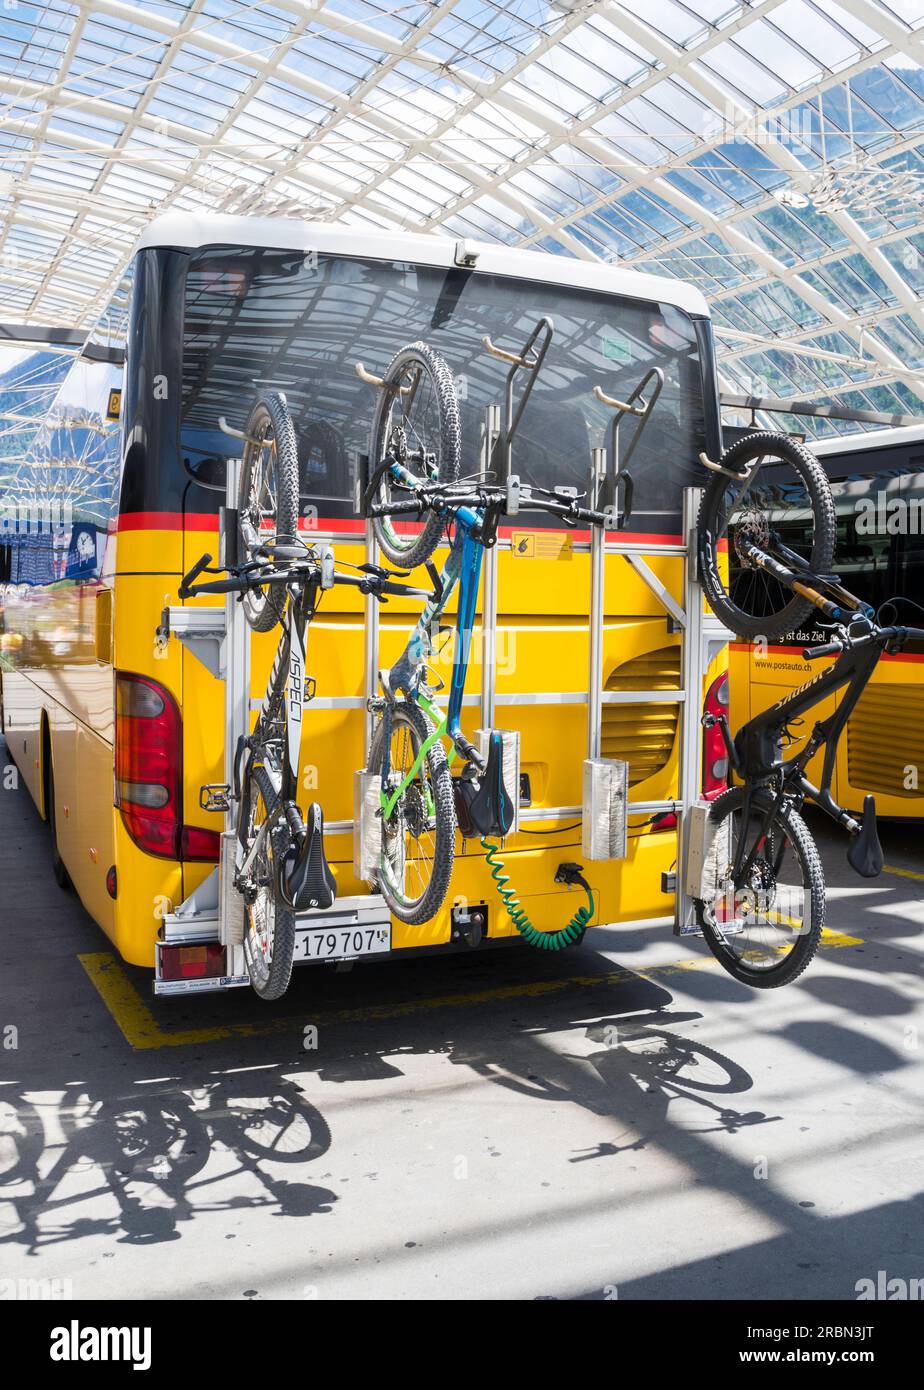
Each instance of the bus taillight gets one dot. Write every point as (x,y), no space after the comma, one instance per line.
(192,962)
(149,772)
(715,754)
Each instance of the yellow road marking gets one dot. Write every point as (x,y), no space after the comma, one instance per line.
(902,873)
(839,938)
(141,1029)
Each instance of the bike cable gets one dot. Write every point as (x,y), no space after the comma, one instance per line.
(544,940)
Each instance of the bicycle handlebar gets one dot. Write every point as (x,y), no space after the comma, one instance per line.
(832,648)
(880,636)
(305,570)
(446,496)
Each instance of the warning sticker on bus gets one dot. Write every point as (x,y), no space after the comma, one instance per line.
(541,545)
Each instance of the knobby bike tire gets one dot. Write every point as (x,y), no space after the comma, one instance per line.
(270,417)
(774,448)
(421,909)
(411,550)
(795,962)
(270,979)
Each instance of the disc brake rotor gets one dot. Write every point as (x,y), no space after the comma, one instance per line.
(752,529)
(415,811)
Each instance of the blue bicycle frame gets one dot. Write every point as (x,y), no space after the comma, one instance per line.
(462,568)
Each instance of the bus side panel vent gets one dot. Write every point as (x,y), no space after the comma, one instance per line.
(604,818)
(367,825)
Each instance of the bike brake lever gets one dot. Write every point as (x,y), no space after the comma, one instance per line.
(381,573)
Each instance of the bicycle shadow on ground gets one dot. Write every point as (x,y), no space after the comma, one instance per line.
(140,1163)
(139,1166)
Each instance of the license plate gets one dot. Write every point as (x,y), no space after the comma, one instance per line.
(342,943)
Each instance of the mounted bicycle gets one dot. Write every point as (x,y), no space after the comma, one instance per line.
(281,868)
(415,453)
(762,907)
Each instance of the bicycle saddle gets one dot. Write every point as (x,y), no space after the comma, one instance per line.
(305,877)
(483,806)
(865,852)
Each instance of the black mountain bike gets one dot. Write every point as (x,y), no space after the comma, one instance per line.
(762,907)
(281,865)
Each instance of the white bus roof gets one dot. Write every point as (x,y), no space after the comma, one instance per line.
(868,439)
(338,238)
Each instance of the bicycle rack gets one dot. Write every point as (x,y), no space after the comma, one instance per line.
(702,636)
(605,804)
(214,912)
(220,640)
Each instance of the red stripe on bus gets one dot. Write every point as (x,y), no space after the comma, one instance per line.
(202,521)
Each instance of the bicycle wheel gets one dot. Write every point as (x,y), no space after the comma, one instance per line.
(419,835)
(267,499)
(417,421)
(787,500)
(139,1135)
(767,930)
(273,1126)
(269,925)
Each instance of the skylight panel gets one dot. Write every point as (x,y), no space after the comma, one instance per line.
(479,225)
(778,227)
(810,26)
(385,17)
(911,402)
(743,74)
(676,22)
(771,314)
(869,38)
(889,98)
(95,129)
(753,161)
(681,105)
(762,237)
(787,61)
(609,236)
(341,51)
(716,13)
(549,196)
(480,40)
(652,211)
(701,190)
(637,60)
(628,143)
(555,248)
(580,174)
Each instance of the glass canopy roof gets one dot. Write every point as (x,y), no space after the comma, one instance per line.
(772,152)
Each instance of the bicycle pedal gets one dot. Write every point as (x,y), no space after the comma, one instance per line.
(215,796)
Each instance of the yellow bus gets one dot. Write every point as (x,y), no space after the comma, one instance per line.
(116,732)
(877,481)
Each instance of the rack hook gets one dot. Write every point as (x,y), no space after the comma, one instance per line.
(372,380)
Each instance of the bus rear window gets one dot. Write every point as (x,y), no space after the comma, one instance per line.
(258,320)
